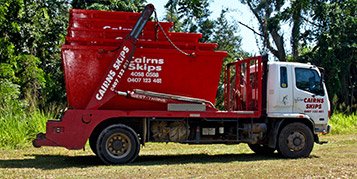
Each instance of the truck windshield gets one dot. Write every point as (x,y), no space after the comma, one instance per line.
(309,80)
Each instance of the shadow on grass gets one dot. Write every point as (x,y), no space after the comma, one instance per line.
(61,161)
(51,162)
(199,158)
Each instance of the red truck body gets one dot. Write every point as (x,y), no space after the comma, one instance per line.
(149,90)
(159,70)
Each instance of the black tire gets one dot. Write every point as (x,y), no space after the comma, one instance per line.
(118,144)
(261,149)
(295,141)
(93,143)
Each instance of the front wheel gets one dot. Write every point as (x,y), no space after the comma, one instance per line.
(118,144)
(295,140)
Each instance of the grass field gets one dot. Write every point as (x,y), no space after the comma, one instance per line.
(337,159)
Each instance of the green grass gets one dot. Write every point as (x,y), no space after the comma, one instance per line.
(343,124)
(18,128)
(337,159)
(159,160)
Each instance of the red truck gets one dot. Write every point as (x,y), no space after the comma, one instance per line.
(160,86)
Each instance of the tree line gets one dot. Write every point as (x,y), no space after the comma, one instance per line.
(32,31)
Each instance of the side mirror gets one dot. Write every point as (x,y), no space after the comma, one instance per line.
(322,71)
(322,79)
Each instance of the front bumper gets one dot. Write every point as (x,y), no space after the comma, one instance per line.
(41,140)
(71,131)
(322,128)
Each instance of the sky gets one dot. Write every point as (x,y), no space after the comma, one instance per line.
(238,11)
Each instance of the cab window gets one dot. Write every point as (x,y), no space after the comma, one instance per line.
(283,77)
(309,80)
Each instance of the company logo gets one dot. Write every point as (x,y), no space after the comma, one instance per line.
(314,103)
(146,64)
(114,74)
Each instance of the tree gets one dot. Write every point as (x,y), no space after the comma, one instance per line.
(130,6)
(172,15)
(322,32)
(190,16)
(194,16)
(225,34)
(21,77)
(270,15)
(32,33)
(269,25)
(44,26)
(334,32)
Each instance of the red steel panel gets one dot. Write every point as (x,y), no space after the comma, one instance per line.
(145,36)
(244,93)
(160,70)
(115,20)
(88,14)
(75,126)
(105,24)
(157,66)
(141,44)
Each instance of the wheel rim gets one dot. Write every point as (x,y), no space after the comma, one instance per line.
(118,145)
(296,141)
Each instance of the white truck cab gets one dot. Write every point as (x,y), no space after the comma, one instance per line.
(297,90)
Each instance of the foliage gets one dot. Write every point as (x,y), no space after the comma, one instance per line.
(322,32)
(270,15)
(32,32)
(191,15)
(343,124)
(224,35)
(334,33)
(194,16)
(127,5)
(31,79)
(18,127)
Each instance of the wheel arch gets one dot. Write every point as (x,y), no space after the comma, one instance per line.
(278,124)
(137,124)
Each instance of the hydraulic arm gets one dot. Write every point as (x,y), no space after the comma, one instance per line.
(116,70)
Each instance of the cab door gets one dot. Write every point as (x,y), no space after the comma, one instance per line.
(280,89)
(309,94)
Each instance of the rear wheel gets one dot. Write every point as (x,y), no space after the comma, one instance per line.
(261,149)
(118,144)
(295,140)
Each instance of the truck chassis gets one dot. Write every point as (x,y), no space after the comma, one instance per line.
(115,136)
